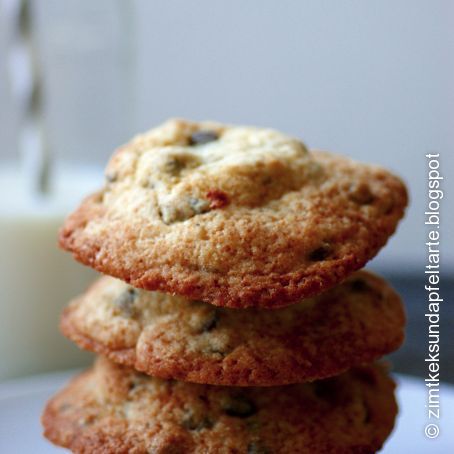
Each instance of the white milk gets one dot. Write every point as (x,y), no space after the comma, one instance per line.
(36,278)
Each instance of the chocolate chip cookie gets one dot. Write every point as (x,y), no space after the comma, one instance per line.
(171,337)
(113,409)
(234,216)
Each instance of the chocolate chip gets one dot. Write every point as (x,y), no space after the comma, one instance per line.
(191,422)
(366,376)
(321,253)
(137,380)
(359,285)
(239,407)
(326,390)
(185,209)
(173,166)
(86,421)
(199,206)
(111,177)
(255,447)
(361,194)
(367,414)
(98,197)
(202,137)
(211,322)
(176,162)
(125,302)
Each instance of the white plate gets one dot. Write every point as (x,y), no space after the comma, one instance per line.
(22,401)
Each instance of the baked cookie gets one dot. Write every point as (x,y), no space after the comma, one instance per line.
(234,216)
(112,409)
(170,337)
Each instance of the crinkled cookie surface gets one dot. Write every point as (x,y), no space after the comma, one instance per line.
(170,337)
(112,409)
(234,216)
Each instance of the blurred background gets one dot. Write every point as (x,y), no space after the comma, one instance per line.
(372,80)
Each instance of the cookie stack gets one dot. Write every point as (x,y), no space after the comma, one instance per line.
(232,317)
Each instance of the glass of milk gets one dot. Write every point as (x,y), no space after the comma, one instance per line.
(65,103)
(36,278)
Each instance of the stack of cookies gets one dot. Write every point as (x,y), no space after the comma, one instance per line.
(232,317)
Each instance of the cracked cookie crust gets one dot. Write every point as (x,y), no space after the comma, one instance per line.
(113,409)
(170,337)
(234,216)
